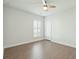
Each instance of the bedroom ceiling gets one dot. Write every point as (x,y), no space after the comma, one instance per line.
(35,6)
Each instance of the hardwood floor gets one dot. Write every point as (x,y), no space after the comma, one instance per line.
(43,49)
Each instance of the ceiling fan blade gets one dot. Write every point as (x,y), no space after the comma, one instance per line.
(43,1)
(52,6)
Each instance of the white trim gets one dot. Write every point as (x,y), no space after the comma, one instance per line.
(66,44)
(33,40)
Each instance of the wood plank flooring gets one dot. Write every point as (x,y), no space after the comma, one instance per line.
(43,49)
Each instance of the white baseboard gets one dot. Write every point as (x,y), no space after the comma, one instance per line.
(30,41)
(33,40)
(66,44)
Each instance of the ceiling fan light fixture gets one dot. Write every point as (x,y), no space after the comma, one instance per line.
(45,7)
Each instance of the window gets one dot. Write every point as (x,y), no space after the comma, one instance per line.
(36,28)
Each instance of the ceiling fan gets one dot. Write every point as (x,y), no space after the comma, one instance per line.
(46,5)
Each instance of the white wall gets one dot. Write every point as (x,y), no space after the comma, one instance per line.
(18,26)
(61,27)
